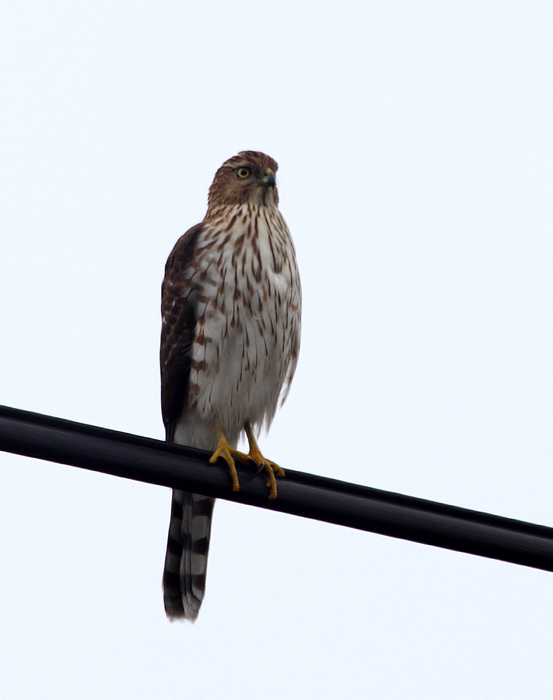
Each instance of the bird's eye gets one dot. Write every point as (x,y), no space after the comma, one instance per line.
(243,173)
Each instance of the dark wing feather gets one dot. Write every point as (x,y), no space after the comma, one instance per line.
(177,330)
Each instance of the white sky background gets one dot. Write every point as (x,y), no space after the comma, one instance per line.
(414,143)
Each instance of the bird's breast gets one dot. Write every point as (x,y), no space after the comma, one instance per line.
(247,289)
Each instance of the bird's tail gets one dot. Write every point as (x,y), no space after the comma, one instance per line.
(186,559)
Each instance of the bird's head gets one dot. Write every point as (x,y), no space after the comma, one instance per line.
(247,178)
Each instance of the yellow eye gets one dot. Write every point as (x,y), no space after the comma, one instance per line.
(243,173)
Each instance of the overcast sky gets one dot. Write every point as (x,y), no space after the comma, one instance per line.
(415,148)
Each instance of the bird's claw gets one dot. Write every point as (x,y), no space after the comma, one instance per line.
(226,452)
(272,469)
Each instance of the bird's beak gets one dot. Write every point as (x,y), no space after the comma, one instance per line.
(268,179)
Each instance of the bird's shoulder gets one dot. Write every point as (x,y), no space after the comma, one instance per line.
(183,252)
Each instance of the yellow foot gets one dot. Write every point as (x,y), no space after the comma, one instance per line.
(229,454)
(272,469)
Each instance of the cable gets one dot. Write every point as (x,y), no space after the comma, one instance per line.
(306,495)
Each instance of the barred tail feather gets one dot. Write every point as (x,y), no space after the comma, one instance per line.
(186,559)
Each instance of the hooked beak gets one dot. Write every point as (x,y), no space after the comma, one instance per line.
(268,179)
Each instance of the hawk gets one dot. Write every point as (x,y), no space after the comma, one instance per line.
(230,338)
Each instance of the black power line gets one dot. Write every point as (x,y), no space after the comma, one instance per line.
(361,507)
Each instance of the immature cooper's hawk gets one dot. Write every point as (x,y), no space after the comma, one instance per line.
(231,307)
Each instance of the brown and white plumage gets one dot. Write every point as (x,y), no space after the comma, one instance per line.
(231,307)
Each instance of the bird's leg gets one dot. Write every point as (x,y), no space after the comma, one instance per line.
(271,468)
(228,453)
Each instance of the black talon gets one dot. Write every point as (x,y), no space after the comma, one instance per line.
(258,472)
